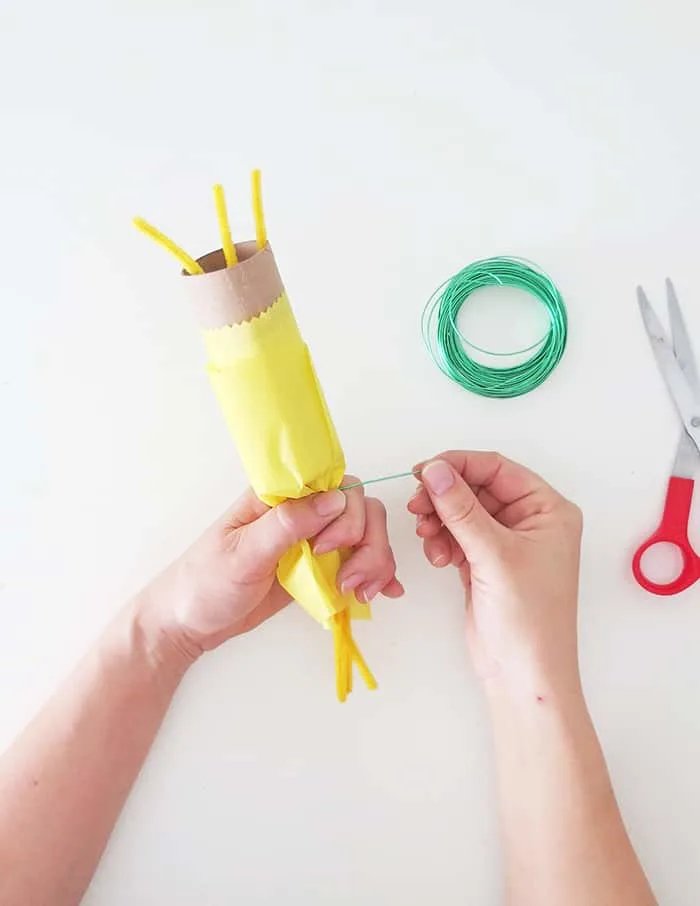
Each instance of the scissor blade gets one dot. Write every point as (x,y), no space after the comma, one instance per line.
(683,397)
(681,339)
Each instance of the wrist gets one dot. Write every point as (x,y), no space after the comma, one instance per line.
(534,687)
(151,631)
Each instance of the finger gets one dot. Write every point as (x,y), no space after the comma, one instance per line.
(371,566)
(438,549)
(506,480)
(393,589)
(508,514)
(443,550)
(420,504)
(459,510)
(428,526)
(349,528)
(260,544)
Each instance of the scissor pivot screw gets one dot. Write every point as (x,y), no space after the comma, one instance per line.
(695,421)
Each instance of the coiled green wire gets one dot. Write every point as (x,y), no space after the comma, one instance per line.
(446,344)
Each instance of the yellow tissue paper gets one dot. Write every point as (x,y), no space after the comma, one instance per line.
(267,388)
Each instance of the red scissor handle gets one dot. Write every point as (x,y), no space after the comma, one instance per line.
(672,530)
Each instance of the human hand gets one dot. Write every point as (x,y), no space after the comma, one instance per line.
(225,583)
(516,544)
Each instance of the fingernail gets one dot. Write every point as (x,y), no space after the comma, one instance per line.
(371,592)
(440,560)
(330,503)
(438,477)
(349,583)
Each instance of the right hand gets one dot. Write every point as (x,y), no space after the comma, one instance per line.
(516,544)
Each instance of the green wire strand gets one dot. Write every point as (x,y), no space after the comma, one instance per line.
(446,344)
(359,484)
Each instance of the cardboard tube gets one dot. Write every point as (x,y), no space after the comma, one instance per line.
(231,295)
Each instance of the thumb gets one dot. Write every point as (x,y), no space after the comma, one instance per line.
(459,509)
(264,541)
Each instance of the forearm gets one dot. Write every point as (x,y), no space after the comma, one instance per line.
(564,837)
(65,779)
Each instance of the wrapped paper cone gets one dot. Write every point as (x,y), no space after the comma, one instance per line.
(266,385)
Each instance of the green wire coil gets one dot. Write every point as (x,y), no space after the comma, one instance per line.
(446,344)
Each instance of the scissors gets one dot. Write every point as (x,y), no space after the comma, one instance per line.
(678,368)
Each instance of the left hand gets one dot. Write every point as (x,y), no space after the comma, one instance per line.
(225,583)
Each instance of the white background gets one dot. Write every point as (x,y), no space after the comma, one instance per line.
(398,142)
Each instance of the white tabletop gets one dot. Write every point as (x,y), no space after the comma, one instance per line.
(396,146)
